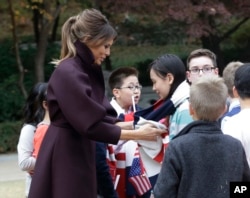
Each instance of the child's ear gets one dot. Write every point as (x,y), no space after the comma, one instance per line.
(45,105)
(235,92)
(115,93)
(225,110)
(170,78)
(191,110)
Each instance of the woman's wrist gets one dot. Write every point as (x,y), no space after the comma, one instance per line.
(126,125)
(129,134)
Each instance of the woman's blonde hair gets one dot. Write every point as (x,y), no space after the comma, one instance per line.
(90,27)
(208,97)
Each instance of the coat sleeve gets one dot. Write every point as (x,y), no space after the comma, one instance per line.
(70,90)
(25,148)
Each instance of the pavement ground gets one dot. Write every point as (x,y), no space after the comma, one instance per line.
(12,179)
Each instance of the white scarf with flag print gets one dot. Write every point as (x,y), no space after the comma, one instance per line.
(152,152)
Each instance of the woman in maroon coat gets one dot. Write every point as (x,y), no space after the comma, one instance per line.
(80,113)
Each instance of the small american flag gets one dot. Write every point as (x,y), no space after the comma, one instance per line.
(137,175)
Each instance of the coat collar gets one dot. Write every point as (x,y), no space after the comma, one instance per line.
(84,53)
(200,127)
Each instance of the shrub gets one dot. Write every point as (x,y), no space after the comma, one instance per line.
(11,100)
(9,133)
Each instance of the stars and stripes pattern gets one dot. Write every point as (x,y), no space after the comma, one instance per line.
(137,175)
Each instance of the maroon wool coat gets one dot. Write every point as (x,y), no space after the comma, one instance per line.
(80,113)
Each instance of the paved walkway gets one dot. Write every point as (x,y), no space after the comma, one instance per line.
(12,179)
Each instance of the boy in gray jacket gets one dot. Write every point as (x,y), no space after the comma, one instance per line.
(201,161)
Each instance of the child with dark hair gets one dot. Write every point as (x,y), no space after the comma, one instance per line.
(41,127)
(126,91)
(168,75)
(238,125)
(201,62)
(33,113)
(200,161)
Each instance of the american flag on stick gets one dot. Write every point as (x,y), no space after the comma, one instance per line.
(137,175)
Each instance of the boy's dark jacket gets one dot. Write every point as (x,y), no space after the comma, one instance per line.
(201,162)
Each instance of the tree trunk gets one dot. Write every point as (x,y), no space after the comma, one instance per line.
(41,53)
(46,24)
(212,43)
(36,16)
(55,26)
(16,46)
(54,30)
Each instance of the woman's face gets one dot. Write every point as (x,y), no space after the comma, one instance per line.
(161,85)
(101,52)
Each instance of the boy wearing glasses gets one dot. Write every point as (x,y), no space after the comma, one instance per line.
(126,91)
(201,161)
(201,62)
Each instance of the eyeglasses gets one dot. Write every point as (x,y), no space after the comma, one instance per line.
(204,70)
(132,87)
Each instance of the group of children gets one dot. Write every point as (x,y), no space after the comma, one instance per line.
(194,158)
(197,116)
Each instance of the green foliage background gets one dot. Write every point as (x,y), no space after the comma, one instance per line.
(149,40)
(9,132)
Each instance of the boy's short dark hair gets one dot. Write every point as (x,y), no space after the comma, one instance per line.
(242,81)
(117,76)
(202,52)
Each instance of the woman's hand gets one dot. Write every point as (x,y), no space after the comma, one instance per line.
(31,172)
(149,132)
(145,132)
